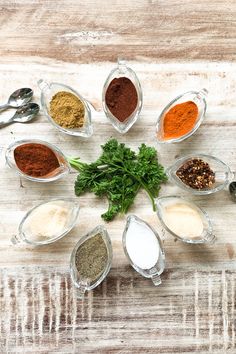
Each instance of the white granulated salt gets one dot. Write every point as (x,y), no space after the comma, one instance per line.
(142,245)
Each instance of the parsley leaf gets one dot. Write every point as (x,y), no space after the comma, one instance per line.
(118,174)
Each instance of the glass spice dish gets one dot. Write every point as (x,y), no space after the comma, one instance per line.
(155,271)
(122,70)
(207,235)
(56,174)
(199,98)
(25,233)
(48,90)
(81,284)
(223,175)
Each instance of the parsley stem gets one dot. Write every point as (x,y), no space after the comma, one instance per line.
(140,181)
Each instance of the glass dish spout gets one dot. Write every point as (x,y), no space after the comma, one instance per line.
(199,98)
(61,171)
(48,90)
(122,70)
(223,175)
(79,282)
(157,269)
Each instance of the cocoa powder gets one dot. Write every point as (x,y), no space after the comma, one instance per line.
(121,98)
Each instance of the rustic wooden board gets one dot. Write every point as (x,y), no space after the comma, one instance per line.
(97,30)
(194,309)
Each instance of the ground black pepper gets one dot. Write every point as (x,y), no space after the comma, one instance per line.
(196,174)
(91,258)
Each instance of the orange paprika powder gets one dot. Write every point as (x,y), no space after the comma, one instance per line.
(180,120)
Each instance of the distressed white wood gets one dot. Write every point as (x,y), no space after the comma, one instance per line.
(194,309)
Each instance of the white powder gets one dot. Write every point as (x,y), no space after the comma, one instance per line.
(142,245)
(47,221)
(183,220)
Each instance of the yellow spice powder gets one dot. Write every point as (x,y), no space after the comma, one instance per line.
(67,110)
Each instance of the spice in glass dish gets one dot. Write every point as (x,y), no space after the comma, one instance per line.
(35,160)
(48,220)
(180,120)
(67,110)
(196,174)
(183,220)
(121,98)
(142,245)
(91,258)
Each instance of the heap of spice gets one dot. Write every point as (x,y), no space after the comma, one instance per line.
(36,160)
(67,110)
(91,258)
(180,120)
(196,174)
(121,98)
(142,245)
(183,220)
(56,216)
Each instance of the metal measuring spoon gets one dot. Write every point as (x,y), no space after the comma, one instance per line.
(232,190)
(18,98)
(23,114)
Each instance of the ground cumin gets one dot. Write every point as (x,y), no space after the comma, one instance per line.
(35,160)
(67,110)
(180,120)
(121,98)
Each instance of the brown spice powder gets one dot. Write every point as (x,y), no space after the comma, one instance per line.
(121,98)
(67,110)
(35,160)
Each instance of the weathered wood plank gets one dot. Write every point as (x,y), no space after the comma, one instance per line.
(193,311)
(88,31)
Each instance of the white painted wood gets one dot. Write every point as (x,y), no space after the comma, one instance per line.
(194,309)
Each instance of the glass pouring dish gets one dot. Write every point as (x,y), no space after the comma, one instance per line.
(58,173)
(154,272)
(123,71)
(199,98)
(81,284)
(207,235)
(223,175)
(48,90)
(25,233)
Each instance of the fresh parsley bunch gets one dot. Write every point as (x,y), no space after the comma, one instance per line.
(119,174)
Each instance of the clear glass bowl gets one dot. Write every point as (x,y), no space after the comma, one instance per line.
(48,90)
(25,233)
(199,98)
(223,175)
(154,272)
(80,283)
(60,172)
(207,235)
(120,71)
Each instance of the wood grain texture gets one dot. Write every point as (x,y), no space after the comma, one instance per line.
(174,46)
(194,309)
(93,30)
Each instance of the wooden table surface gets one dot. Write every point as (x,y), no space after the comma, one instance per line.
(174,46)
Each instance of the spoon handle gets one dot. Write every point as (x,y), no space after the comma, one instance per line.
(4,106)
(4,123)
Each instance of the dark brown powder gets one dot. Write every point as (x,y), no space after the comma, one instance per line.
(121,98)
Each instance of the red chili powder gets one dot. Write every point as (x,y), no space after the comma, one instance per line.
(121,98)
(35,160)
